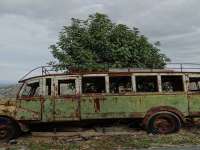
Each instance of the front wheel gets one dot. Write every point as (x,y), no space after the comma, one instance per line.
(163,123)
(7,130)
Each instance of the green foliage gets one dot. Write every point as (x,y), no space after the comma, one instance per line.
(97,43)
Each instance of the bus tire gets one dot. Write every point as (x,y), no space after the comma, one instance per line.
(8,130)
(163,123)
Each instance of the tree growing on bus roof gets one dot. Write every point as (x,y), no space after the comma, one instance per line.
(97,42)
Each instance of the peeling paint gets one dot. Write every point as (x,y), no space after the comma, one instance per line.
(100,105)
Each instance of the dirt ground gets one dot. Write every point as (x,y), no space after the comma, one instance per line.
(115,138)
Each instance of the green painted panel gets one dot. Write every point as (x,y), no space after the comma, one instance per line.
(87,105)
(126,106)
(29,109)
(47,114)
(66,109)
(194,103)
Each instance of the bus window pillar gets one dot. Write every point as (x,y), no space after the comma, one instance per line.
(185,82)
(79,85)
(42,86)
(56,87)
(107,84)
(133,83)
(52,86)
(159,83)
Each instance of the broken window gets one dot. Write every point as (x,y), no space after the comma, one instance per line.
(194,84)
(66,87)
(172,83)
(48,86)
(31,89)
(93,84)
(120,84)
(146,84)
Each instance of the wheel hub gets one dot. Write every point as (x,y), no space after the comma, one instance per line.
(164,125)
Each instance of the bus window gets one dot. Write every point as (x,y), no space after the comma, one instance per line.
(66,87)
(120,84)
(31,89)
(93,84)
(48,87)
(194,84)
(172,83)
(146,84)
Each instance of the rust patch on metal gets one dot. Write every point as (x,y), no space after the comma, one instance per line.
(159,109)
(28,110)
(164,125)
(97,104)
(42,100)
(136,115)
(194,114)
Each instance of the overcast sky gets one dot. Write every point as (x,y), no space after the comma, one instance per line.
(28,27)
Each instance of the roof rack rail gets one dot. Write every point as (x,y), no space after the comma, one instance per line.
(170,67)
(41,70)
(184,67)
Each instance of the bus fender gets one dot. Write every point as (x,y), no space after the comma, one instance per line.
(157,110)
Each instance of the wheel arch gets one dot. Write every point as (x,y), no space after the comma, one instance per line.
(19,125)
(162,109)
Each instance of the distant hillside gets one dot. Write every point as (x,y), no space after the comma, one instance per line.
(7,83)
(8,90)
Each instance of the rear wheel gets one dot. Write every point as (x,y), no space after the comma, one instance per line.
(164,123)
(8,129)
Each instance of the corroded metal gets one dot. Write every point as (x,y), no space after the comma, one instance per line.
(164,125)
(106,105)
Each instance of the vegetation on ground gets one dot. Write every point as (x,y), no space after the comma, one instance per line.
(139,140)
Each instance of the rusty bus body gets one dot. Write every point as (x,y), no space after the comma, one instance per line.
(163,99)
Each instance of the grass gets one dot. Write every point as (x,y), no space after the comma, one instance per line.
(184,137)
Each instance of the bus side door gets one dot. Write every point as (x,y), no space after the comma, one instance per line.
(66,101)
(30,101)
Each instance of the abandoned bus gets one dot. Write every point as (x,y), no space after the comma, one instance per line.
(163,99)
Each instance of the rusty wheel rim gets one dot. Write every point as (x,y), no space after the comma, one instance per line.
(3,131)
(164,125)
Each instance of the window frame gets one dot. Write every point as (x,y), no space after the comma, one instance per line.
(123,75)
(24,85)
(192,75)
(67,77)
(45,91)
(184,80)
(106,80)
(135,75)
(66,83)
(78,82)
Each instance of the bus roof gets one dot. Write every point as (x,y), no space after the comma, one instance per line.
(110,71)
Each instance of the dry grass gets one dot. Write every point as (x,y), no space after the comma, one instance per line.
(139,140)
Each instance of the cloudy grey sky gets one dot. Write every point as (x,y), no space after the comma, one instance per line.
(28,27)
